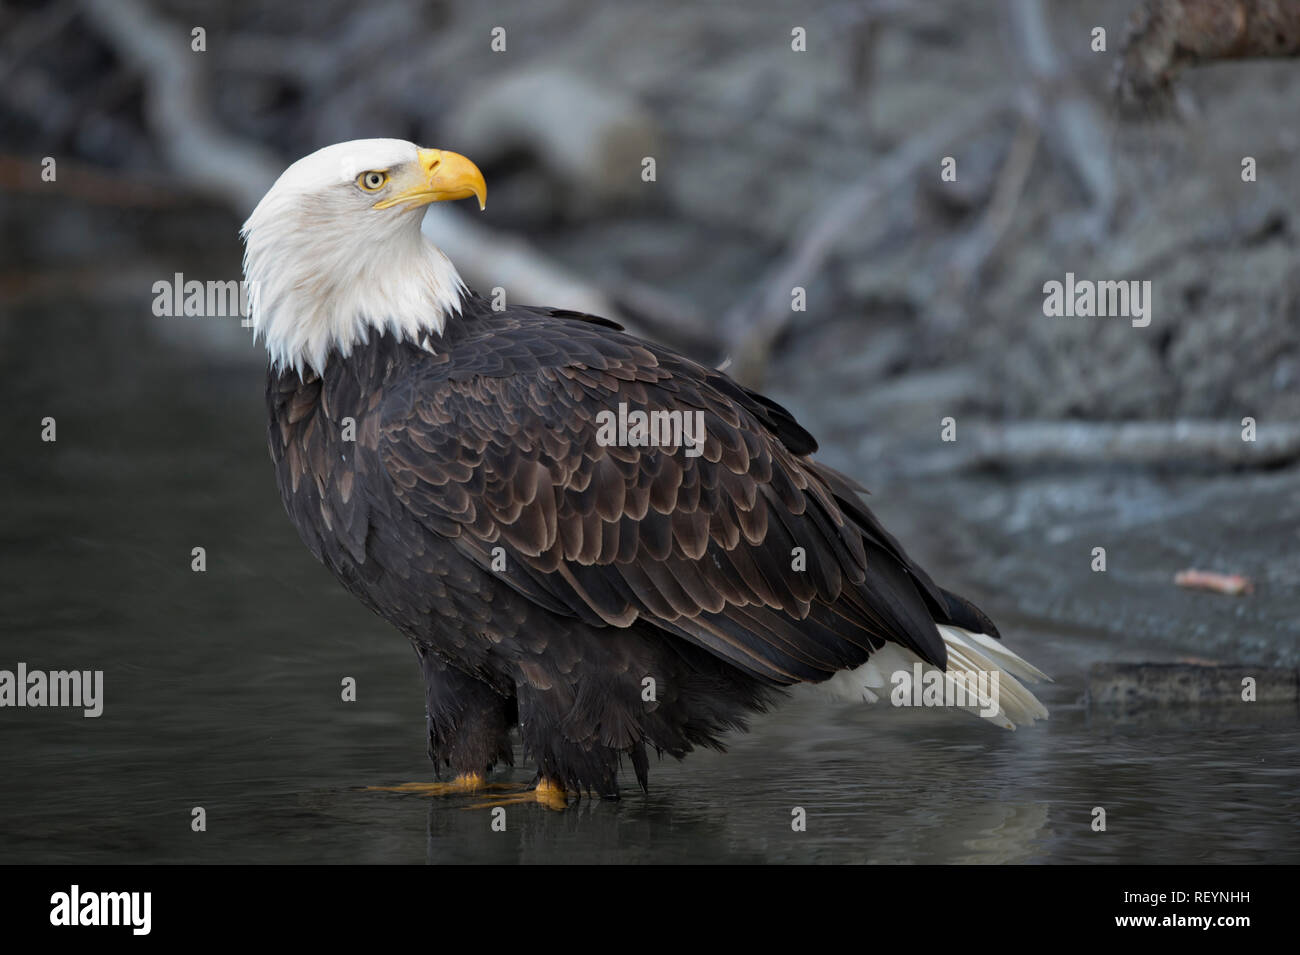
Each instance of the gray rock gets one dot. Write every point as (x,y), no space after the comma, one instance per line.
(1163,684)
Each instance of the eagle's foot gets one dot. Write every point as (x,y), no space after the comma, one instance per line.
(547,793)
(465,783)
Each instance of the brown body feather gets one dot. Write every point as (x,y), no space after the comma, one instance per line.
(620,563)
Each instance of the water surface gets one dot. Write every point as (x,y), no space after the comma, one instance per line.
(223,687)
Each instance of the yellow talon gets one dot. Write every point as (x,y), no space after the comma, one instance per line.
(551,794)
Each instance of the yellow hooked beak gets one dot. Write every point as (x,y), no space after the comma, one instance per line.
(440,175)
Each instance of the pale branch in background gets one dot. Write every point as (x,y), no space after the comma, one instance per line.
(1070,121)
(1207,444)
(978,247)
(1063,113)
(207,158)
(194,145)
(1053,108)
(750,328)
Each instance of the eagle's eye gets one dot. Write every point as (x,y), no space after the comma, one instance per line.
(372,181)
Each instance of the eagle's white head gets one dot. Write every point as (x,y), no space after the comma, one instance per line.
(334,249)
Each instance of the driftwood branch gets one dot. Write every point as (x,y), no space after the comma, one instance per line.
(751,327)
(208,158)
(488,259)
(1208,444)
(664,316)
(1053,109)
(1050,103)
(1166,36)
(1070,121)
(978,247)
(194,145)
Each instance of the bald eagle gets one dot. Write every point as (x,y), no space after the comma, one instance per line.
(469,475)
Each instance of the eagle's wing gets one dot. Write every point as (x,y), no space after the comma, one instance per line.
(497,447)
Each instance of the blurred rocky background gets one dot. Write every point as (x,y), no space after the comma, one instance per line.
(774,168)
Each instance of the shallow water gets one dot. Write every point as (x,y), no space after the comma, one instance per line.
(223,689)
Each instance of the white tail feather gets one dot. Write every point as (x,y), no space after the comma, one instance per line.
(968,652)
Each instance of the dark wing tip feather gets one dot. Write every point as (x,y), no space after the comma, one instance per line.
(962,613)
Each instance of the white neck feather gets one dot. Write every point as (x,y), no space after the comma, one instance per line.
(314,290)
